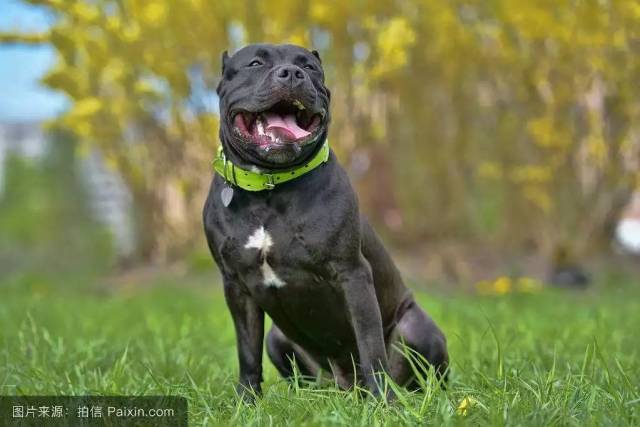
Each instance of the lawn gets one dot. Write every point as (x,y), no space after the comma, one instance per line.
(548,358)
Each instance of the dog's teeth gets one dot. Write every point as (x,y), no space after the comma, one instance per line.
(260,128)
(298,104)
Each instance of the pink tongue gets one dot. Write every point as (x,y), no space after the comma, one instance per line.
(286,123)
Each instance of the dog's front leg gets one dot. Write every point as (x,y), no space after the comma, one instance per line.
(366,321)
(248,320)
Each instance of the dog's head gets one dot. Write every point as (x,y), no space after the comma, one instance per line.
(274,106)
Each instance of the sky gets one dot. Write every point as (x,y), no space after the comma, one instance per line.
(22,97)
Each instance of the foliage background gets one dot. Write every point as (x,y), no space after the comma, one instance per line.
(496,123)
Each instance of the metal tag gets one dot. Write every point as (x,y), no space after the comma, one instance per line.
(226,195)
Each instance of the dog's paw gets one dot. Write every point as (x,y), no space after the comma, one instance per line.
(248,392)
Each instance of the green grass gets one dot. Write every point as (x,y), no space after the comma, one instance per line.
(553,358)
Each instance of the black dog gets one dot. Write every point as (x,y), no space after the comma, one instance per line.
(299,250)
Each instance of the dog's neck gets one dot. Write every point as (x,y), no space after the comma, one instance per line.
(258,180)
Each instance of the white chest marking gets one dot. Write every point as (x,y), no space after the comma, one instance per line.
(261,240)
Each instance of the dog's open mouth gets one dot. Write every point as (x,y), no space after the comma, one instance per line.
(286,122)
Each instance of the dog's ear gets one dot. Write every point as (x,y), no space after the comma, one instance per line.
(317,55)
(225,59)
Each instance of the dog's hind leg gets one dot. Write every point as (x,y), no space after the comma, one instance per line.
(416,330)
(283,353)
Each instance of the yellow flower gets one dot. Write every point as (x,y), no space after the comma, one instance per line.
(502,285)
(394,40)
(466,404)
(86,107)
(155,12)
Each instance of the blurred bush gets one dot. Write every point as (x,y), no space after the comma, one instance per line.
(46,228)
(503,121)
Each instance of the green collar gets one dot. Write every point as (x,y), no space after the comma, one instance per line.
(258,181)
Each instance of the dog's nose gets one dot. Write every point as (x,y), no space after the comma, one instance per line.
(289,74)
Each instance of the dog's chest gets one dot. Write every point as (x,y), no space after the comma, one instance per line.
(275,253)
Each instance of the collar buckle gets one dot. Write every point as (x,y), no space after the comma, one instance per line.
(269,185)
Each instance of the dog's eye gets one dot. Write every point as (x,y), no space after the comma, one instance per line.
(254,63)
(308,67)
